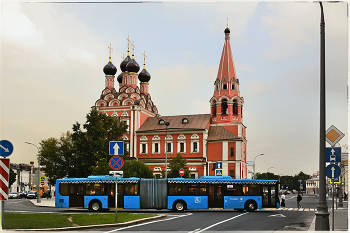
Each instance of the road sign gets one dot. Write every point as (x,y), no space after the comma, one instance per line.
(182,172)
(116,162)
(116,148)
(336,180)
(219,165)
(116,173)
(6,148)
(4,178)
(333,154)
(333,135)
(333,171)
(219,172)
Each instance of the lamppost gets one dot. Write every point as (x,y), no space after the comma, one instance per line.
(166,123)
(254,164)
(267,173)
(38,200)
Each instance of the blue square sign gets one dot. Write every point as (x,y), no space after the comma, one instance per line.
(333,154)
(116,148)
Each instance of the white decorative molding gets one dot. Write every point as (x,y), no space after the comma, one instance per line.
(181,137)
(124,114)
(143,138)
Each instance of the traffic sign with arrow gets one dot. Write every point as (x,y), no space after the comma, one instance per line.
(6,148)
(333,171)
(116,148)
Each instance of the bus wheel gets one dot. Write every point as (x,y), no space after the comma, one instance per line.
(250,206)
(179,206)
(95,206)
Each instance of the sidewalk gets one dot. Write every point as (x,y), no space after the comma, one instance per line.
(44,202)
(340,218)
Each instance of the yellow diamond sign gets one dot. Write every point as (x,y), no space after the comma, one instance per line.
(333,135)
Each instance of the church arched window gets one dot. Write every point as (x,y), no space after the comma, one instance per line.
(235,107)
(214,108)
(224,107)
(225,87)
(233,86)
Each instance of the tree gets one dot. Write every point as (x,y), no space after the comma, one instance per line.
(92,144)
(57,157)
(135,168)
(76,154)
(13,177)
(175,164)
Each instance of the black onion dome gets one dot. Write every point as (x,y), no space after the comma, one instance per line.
(109,69)
(120,78)
(144,76)
(227,30)
(132,66)
(124,63)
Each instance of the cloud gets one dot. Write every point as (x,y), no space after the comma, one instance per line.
(81,55)
(18,29)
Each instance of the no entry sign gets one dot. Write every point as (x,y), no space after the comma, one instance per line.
(116,162)
(182,172)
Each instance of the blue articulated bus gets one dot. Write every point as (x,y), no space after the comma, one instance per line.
(98,192)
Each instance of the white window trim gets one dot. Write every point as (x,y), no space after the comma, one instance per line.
(195,138)
(181,139)
(143,141)
(166,147)
(155,139)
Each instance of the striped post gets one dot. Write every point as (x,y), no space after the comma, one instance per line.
(4,178)
(4,184)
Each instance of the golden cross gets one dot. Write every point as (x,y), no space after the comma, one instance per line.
(123,56)
(133,47)
(144,56)
(227,21)
(128,42)
(110,50)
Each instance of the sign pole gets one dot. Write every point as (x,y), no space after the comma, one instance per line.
(116,199)
(333,204)
(322,214)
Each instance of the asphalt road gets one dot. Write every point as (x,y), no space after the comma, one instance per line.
(289,219)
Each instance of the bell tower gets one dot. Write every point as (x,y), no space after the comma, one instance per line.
(226,103)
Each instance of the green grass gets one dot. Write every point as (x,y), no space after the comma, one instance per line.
(38,221)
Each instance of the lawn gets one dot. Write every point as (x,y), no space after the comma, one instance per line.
(38,221)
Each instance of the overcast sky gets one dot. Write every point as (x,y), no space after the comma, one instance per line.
(53,55)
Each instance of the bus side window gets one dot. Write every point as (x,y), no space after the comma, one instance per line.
(63,189)
(131,189)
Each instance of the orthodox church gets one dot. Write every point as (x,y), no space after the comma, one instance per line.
(206,141)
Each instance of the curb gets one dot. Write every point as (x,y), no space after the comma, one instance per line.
(92,226)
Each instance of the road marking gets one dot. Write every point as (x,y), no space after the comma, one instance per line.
(146,223)
(277,215)
(290,209)
(221,222)
(301,209)
(195,231)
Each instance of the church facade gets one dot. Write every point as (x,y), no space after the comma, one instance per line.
(206,141)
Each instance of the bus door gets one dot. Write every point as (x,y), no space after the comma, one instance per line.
(111,196)
(269,196)
(215,196)
(76,195)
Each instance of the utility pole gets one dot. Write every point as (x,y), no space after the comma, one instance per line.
(322,214)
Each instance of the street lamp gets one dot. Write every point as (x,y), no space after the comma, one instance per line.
(267,174)
(254,165)
(166,123)
(38,200)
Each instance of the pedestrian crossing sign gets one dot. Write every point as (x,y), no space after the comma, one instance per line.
(336,180)
(219,172)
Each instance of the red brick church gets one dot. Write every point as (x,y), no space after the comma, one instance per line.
(202,139)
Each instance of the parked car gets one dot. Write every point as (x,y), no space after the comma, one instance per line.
(31,195)
(13,195)
(23,194)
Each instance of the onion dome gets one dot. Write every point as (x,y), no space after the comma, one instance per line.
(144,76)
(120,78)
(109,69)
(227,31)
(124,63)
(132,66)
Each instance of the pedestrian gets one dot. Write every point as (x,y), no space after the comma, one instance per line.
(345,196)
(48,194)
(283,200)
(299,198)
